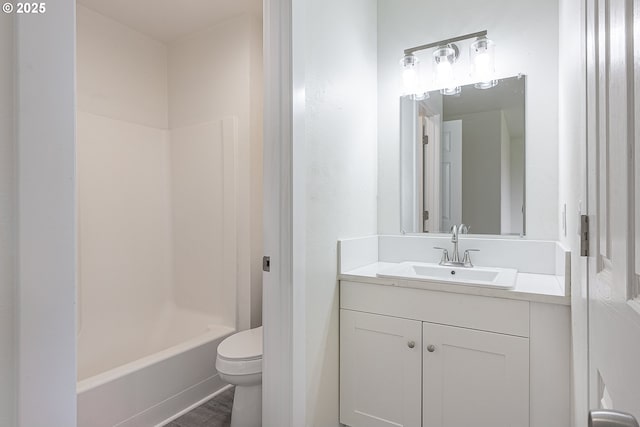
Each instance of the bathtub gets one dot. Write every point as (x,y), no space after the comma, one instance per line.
(154,389)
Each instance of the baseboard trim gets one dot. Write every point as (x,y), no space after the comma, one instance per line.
(176,405)
(195,405)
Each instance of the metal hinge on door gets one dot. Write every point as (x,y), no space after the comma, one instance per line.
(425,216)
(584,235)
(266,263)
(425,139)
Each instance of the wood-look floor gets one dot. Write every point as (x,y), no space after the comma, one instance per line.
(214,413)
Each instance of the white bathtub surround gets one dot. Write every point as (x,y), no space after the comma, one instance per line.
(152,390)
(167,213)
(214,73)
(543,266)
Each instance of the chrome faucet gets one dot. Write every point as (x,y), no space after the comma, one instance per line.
(456,230)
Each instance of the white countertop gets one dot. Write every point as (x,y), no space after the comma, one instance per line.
(545,288)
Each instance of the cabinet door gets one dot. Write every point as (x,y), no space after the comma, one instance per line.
(474,378)
(380,370)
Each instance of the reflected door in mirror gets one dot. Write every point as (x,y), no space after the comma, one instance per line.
(451,170)
(462,160)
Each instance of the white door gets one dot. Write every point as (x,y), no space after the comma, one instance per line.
(451,174)
(613,76)
(474,378)
(431,172)
(380,370)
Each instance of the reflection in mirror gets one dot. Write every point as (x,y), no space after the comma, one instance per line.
(463,160)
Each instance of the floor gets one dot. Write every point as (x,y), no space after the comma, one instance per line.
(214,413)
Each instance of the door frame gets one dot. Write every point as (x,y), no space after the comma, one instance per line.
(45,297)
(46,240)
(284,369)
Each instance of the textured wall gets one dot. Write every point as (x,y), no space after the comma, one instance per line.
(341,163)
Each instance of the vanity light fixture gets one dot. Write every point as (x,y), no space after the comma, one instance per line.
(481,53)
(409,73)
(445,56)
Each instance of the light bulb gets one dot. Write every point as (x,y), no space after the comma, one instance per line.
(481,53)
(483,67)
(409,74)
(444,58)
(444,74)
(409,80)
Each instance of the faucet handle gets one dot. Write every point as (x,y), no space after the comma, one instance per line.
(445,254)
(466,260)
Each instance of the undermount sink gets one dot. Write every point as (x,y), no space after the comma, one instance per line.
(492,277)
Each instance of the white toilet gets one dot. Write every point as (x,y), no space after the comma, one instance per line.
(239,362)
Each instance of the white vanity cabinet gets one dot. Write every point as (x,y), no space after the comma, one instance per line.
(372,396)
(420,358)
(474,378)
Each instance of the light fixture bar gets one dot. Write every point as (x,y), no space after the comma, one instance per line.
(445,42)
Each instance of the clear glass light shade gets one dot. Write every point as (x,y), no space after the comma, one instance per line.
(444,57)
(410,79)
(482,55)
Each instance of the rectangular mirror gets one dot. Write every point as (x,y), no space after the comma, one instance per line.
(462,160)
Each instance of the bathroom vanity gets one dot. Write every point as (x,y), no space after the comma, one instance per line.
(436,353)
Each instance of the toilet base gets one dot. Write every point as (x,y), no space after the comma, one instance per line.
(247,406)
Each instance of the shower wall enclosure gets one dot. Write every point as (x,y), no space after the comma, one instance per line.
(169,165)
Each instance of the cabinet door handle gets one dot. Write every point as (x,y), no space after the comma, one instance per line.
(411,344)
(431,348)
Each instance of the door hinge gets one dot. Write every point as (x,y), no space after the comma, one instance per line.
(584,235)
(425,216)
(266,263)
(425,139)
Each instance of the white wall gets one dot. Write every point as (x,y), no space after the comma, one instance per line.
(505,177)
(122,73)
(213,74)
(341,162)
(520,48)
(45,113)
(518,172)
(256,203)
(481,170)
(7,225)
(572,182)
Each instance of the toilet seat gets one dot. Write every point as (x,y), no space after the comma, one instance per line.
(241,353)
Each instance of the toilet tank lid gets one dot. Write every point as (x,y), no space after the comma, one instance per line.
(242,345)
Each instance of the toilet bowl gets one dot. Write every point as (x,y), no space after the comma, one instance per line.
(239,362)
